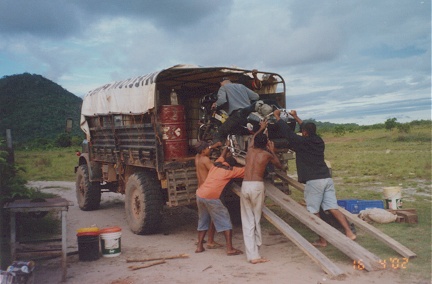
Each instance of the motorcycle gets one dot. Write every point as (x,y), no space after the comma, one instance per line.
(212,119)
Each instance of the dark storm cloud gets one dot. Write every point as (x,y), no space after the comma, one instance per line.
(43,17)
(166,13)
(61,18)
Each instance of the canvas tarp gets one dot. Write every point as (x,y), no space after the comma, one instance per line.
(131,96)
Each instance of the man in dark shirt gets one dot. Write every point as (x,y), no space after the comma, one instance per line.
(313,171)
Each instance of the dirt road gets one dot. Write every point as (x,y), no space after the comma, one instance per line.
(288,264)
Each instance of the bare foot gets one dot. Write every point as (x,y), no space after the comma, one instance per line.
(234,252)
(198,250)
(352,236)
(319,244)
(259,260)
(214,245)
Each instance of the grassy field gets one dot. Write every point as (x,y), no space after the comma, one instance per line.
(53,164)
(362,164)
(365,162)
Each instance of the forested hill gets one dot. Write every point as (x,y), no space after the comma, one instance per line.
(34,107)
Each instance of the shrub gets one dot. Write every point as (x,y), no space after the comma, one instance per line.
(404,127)
(339,130)
(63,140)
(76,140)
(11,183)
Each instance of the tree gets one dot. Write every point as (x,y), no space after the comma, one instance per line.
(390,123)
(11,183)
(339,130)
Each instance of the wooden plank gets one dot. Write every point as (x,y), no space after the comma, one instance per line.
(317,256)
(395,245)
(398,247)
(333,236)
(283,176)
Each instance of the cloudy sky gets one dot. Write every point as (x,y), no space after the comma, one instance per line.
(360,61)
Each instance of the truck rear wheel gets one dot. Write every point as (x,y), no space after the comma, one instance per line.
(88,193)
(143,203)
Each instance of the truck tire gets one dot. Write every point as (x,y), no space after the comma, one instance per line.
(88,193)
(143,203)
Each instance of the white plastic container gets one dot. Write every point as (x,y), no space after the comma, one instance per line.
(110,241)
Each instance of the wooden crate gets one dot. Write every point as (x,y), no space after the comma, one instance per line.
(405,215)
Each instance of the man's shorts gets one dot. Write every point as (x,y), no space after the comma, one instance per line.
(320,193)
(212,209)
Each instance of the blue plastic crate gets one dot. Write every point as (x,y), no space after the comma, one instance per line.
(369,204)
(355,206)
(350,204)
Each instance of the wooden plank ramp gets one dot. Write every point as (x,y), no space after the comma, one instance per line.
(317,256)
(393,244)
(349,247)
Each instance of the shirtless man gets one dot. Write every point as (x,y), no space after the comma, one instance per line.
(259,154)
(203,165)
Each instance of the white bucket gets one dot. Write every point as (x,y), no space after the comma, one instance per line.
(111,241)
(392,196)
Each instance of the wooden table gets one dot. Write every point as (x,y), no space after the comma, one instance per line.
(48,205)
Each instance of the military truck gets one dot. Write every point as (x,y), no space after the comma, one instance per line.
(140,134)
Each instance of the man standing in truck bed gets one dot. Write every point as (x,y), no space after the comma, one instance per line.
(210,207)
(232,97)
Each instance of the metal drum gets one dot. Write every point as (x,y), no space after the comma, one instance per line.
(174,133)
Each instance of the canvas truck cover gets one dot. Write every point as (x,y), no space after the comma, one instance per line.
(137,95)
(132,96)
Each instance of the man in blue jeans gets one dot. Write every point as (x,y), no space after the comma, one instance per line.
(313,171)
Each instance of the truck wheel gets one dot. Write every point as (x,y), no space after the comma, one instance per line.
(143,203)
(88,193)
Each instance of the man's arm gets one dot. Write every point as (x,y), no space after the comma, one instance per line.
(207,163)
(252,95)
(263,125)
(285,130)
(294,114)
(274,160)
(222,98)
(225,150)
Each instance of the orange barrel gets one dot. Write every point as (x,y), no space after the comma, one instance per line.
(174,133)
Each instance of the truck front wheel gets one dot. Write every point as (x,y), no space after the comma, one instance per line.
(88,193)
(143,203)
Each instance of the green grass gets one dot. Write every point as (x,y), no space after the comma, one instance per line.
(362,164)
(48,165)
